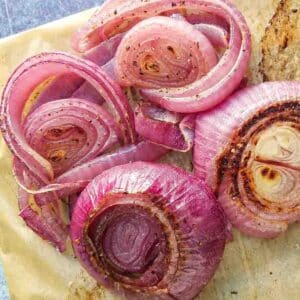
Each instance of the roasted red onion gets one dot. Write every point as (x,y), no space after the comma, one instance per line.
(174,59)
(171,130)
(149,231)
(36,70)
(57,135)
(248,151)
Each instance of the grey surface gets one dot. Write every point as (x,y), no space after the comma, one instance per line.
(3,288)
(19,15)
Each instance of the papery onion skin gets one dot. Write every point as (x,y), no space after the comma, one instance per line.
(36,70)
(170,130)
(183,240)
(234,156)
(203,93)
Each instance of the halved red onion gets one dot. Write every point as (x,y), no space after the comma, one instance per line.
(149,231)
(36,70)
(185,84)
(170,130)
(248,151)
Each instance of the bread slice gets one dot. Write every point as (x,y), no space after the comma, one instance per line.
(281,43)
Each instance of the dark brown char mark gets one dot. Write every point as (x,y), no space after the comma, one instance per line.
(281,43)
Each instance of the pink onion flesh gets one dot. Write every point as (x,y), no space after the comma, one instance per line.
(158,61)
(69,132)
(248,151)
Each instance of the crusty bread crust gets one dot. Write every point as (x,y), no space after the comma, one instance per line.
(281,43)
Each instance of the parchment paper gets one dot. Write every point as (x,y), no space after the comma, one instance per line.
(251,268)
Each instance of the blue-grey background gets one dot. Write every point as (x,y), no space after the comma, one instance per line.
(19,15)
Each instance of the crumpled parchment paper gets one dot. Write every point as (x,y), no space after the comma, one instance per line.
(251,269)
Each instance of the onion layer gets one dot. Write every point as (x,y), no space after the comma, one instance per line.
(73,86)
(42,213)
(248,151)
(151,229)
(171,130)
(77,178)
(174,60)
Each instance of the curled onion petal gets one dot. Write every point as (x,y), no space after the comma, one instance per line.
(42,221)
(158,60)
(71,85)
(149,229)
(252,159)
(162,127)
(76,179)
(117,16)
(42,213)
(69,132)
(36,70)
(205,92)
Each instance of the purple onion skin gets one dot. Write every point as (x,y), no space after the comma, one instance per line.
(190,237)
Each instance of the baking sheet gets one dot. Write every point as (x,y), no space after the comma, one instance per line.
(251,268)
